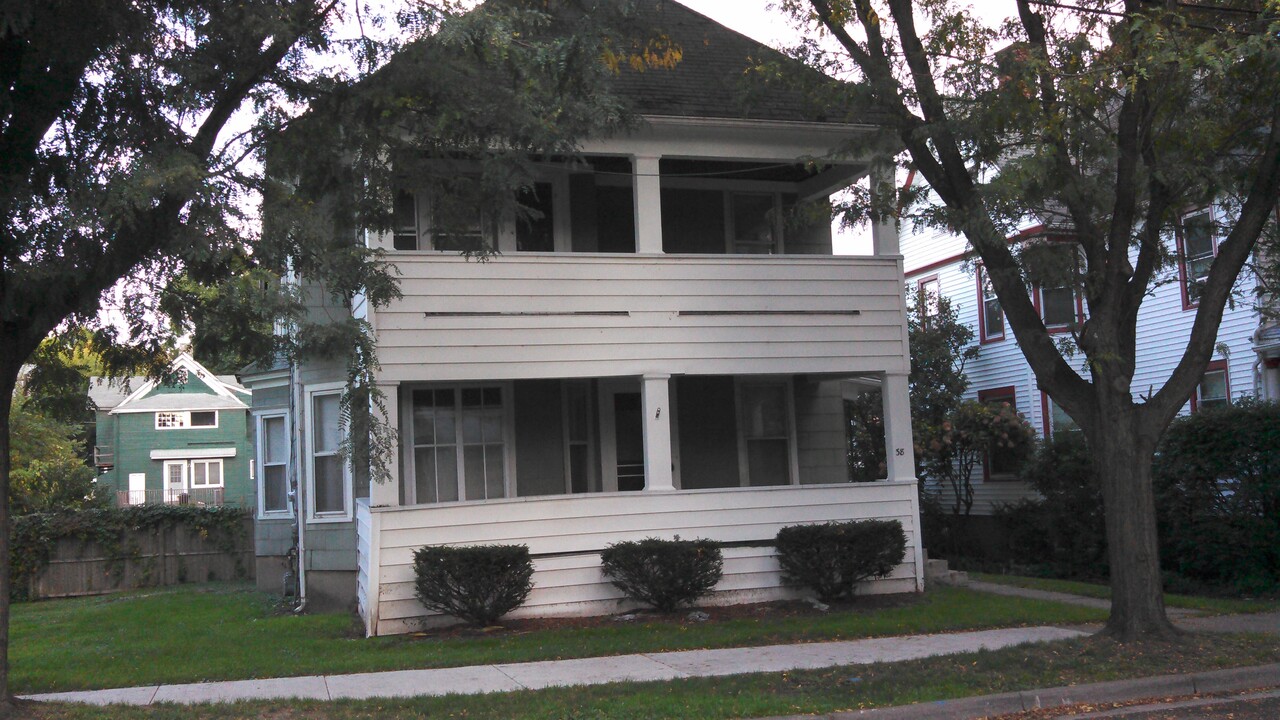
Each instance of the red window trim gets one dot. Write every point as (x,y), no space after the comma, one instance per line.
(931,278)
(983,337)
(1213,365)
(1187,302)
(1009,394)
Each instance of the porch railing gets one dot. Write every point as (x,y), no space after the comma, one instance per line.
(104,456)
(195,496)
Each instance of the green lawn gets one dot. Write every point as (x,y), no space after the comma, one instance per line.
(1213,605)
(226,632)
(769,694)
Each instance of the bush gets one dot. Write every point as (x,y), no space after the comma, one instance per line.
(1217,483)
(477,584)
(1064,533)
(833,557)
(663,573)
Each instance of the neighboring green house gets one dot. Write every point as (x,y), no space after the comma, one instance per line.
(186,442)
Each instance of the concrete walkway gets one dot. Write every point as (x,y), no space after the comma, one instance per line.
(586,671)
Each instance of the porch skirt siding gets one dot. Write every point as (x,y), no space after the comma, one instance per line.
(565,535)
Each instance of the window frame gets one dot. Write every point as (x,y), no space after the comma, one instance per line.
(261,457)
(793,459)
(208,463)
(1046,412)
(932,303)
(591,442)
(1004,393)
(776,229)
(1198,400)
(184,420)
(983,336)
(1185,280)
(423,231)
(1077,310)
(335,516)
(408,459)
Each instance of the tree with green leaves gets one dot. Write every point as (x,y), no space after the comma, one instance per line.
(1106,121)
(132,137)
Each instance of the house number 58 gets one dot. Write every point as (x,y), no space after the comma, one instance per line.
(899,452)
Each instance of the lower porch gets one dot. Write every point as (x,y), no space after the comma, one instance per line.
(565,535)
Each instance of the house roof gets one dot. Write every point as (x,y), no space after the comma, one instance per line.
(122,395)
(710,81)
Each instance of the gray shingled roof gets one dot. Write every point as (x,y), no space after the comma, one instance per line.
(709,81)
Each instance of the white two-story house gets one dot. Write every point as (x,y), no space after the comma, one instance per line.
(659,355)
(1246,362)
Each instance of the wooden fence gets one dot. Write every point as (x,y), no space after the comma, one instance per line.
(148,558)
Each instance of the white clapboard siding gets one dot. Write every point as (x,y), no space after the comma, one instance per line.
(571,315)
(566,533)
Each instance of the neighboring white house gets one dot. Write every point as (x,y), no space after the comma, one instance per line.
(1246,362)
(660,356)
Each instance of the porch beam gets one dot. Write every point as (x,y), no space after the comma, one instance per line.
(656,405)
(897,427)
(387,494)
(647,195)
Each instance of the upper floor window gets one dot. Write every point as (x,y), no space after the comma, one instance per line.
(1214,389)
(1198,244)
(990,314)
(1057,307)
(929,297)
(178,419)
(415,227)
(755,218)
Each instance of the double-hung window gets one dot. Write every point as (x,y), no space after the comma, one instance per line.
(1057,307)
(459,444)
(273,461)
(1199,244)
(929,297)
(1000,463)
(1214,389)
(990,314)
(329,486)
(765,433)
(416,227)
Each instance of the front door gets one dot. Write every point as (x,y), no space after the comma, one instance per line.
(621,435)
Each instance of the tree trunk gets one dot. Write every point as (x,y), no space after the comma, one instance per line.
(1122,458)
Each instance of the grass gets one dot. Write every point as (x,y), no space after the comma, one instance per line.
(229,632)
(818,691)
(1211,605)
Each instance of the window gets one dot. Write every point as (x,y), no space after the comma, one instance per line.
(273,459)
(459,444)
(179,419)
(1199,245)
(753,223)
(929,296)
(765,434)
(990,315)
(329,479)
(1057,307)
(206,473)
(1056,420)
(999,465)
(578,436)
(536,231)
(1214,389)
(414,228)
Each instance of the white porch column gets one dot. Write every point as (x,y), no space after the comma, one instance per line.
(388,493)
(655,403)
(897,427)
(884,234)
(647,193)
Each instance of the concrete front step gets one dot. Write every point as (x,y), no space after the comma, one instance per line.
(937,571)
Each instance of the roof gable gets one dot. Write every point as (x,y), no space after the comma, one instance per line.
(199,390)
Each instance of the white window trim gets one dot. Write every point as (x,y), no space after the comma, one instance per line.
(185,419)
(186,475)
(731,231)
(793,459)
(191,473)
(409,471)
(263,514)
(593,464)
(345,515)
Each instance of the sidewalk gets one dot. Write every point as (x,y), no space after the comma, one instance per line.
(585,671)
(701,663)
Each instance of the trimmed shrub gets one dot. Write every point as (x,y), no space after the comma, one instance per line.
(477,584)
(1217,484)
(663,573)
(1063,533)
(831,558)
